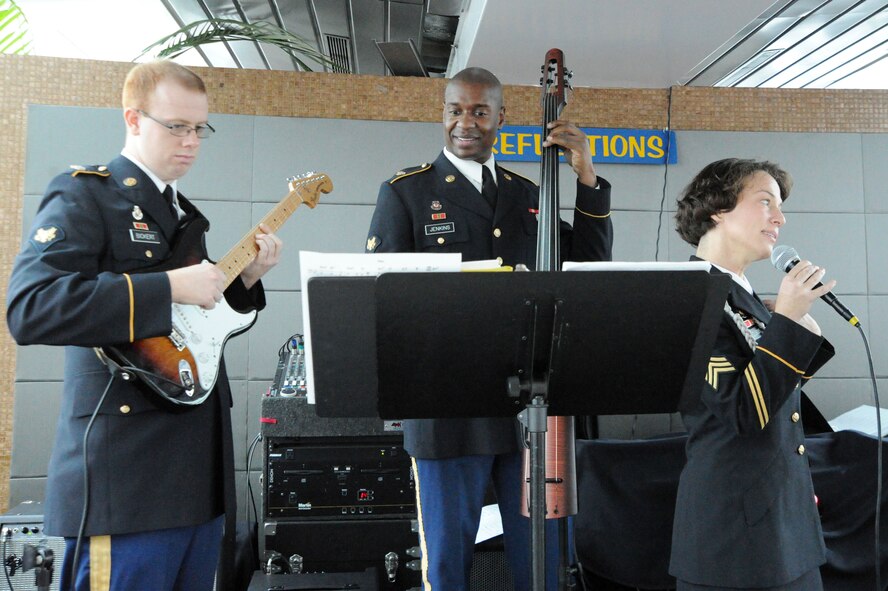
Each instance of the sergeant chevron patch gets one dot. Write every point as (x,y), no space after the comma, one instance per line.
(717,365)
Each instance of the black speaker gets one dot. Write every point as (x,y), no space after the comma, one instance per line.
(23,543)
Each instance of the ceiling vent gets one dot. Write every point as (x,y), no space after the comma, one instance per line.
(339,51)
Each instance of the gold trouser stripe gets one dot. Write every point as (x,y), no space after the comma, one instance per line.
(783,361)
(100,563)
(426,585)
(593,215)
(132,308)
(757,398)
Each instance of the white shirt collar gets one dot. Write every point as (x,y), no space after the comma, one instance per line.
(161,185)
(471,169)
(741,281)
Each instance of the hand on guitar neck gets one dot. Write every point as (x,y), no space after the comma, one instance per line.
(203,284)
(268,256)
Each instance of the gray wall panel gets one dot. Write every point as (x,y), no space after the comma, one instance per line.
(834,396)
(278,322)
(876,252)
(36,410)
(61,136)
(876,327)
(357,155)
(326,228)
(875,173)
(634,233)
(826,167)
(26,489)
(635,187)
(224,167)
(850,360)
(239,389)
(40,363)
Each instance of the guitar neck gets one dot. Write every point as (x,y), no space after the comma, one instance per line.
(244,252)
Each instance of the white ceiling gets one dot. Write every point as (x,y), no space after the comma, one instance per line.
(606,43)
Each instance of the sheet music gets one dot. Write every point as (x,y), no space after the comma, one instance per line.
(323,264)
(637,266)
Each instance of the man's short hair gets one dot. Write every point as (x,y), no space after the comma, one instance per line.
(479,76)
(144,78)
(715,190)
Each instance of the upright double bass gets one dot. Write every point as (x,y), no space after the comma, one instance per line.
(560,458)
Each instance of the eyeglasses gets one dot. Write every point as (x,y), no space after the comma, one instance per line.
(180,130)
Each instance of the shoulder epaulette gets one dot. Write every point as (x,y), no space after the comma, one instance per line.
(94,169)
(401,174)
(507,172)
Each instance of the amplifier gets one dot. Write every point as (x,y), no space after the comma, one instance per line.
(23,543)
(338,478)
(388,546)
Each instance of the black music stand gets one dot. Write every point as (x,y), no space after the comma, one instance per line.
(342,313)
(491,344)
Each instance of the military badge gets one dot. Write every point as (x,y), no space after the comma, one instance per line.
(439,216)
(445,228)
(373,243)
(449,178)
(130,181)
(149,236)
(45,236)
(137,213)
(140,225)
(436,205)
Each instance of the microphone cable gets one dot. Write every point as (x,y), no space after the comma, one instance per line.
(85,510)
(878,515)
(668,131)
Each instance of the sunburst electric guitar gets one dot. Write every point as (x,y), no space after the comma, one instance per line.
(182,367)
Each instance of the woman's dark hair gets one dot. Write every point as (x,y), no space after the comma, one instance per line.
(715,190)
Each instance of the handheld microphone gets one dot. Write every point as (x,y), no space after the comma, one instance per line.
(785,258)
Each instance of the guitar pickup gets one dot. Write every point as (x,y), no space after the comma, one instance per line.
(177,339)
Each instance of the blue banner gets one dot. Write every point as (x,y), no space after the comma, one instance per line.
(523,143)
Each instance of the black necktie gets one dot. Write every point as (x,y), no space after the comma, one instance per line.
(488,187)
(168,196)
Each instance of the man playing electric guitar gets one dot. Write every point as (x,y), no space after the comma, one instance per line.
(158,482)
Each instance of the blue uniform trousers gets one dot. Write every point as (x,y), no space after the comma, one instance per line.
(175,559)
(450,495)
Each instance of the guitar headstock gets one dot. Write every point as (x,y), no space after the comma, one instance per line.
(308,187)
(555,79)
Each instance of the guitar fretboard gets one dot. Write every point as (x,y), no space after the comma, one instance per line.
(303,189)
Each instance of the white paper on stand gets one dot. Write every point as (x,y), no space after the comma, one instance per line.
(863,419)
(637,266)
(322,264)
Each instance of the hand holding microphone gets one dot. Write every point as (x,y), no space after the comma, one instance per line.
(802,285)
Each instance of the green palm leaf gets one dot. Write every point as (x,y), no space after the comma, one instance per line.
(15,34)
(218,30)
